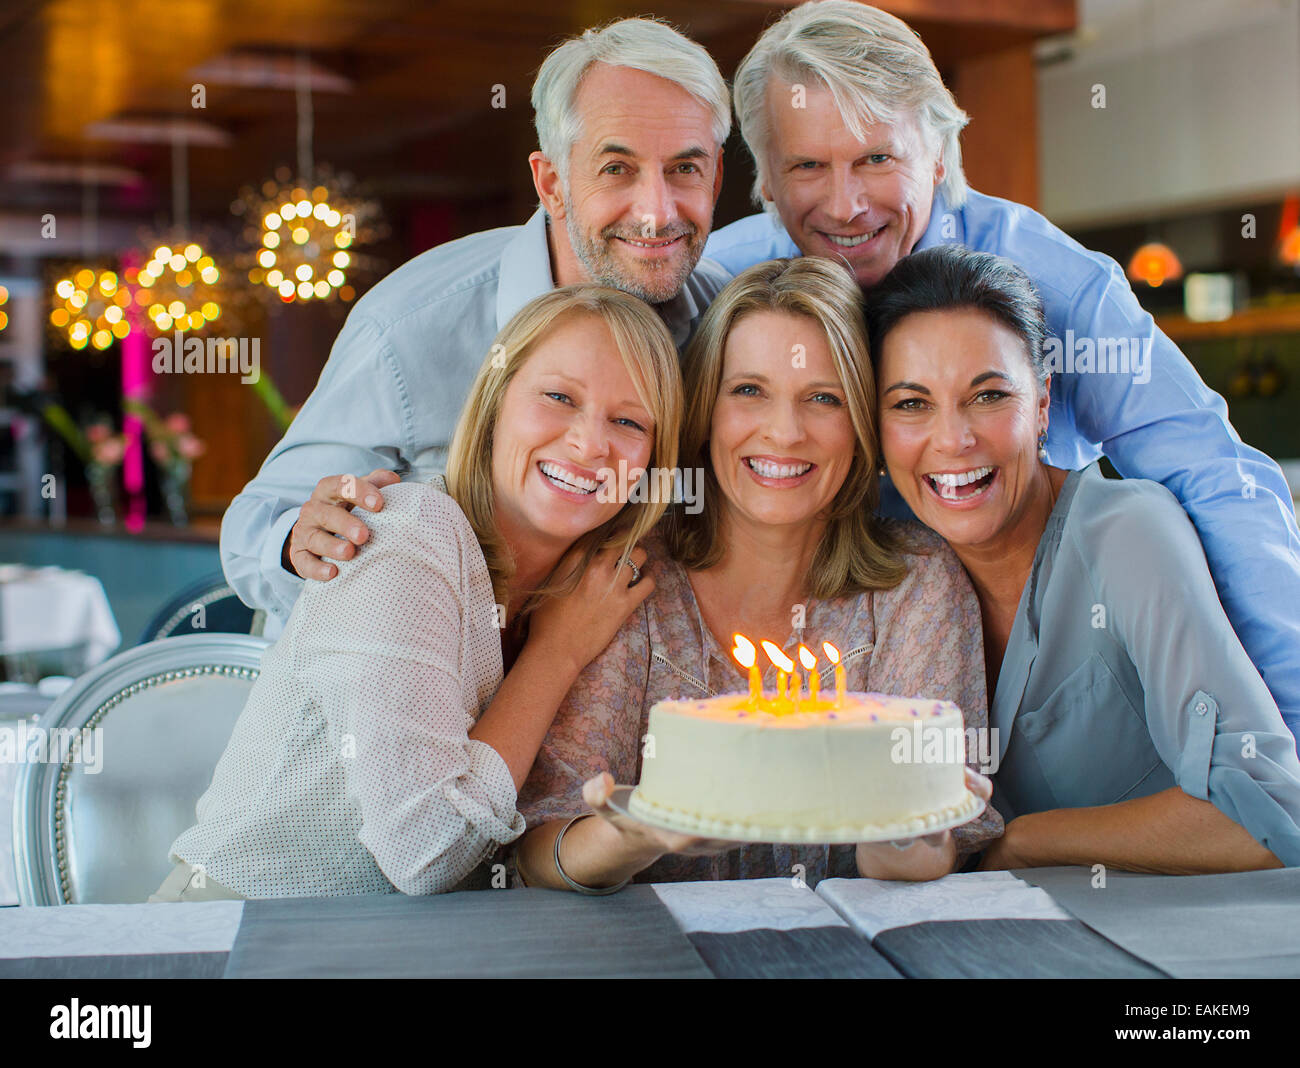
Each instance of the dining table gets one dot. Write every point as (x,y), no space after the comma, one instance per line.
(1041,923)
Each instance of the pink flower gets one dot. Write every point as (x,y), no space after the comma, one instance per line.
(109,452)
(177,423)
(190,447)
(97,433)
(159,451)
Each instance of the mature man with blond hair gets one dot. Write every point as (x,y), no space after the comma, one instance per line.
(630,122)
(855,140)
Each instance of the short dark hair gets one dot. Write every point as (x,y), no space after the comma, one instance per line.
(952,276)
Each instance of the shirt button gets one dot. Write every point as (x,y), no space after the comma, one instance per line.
(1201,708)
(454,793)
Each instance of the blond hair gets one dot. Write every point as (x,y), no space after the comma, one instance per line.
(877,69)
(856,553)
(648,353)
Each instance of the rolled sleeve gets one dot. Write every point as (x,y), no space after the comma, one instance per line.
(485,795)
(1211,718)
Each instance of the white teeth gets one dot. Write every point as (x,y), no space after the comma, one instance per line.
(962,479)
(771,470)
(566,479)
(852,242)
(648,244)
(947,483)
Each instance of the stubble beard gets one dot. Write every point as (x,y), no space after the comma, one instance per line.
(655,283)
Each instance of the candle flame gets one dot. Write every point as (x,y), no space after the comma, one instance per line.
(774,654)
(806,658)
(744,652)
(831,652)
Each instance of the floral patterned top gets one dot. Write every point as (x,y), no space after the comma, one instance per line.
(921,639)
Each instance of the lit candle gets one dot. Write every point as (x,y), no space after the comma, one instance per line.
(814,676)
(784,665)
(841,687)
(747,656)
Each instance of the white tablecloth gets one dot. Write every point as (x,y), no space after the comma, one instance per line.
(50,608)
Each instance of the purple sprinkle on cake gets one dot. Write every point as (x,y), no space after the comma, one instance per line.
(937,712)
(740,715)
(831,715)
(915,712)
(874,717)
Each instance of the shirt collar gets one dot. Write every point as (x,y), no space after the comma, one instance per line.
(525,271)
(934,234)
(525,274)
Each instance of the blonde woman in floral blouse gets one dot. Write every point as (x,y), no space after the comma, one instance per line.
(780,417)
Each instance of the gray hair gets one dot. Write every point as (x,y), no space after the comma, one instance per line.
(877,69)
(648,45)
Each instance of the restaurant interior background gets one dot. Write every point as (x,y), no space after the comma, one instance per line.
(143,144)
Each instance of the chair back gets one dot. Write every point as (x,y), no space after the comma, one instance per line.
(206,605)
(128,749)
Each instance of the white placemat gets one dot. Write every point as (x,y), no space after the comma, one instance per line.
(745,905)
(113,930)
(873,905)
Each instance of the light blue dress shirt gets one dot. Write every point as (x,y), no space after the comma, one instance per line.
(1171,429)
(392,390)
(1122,676)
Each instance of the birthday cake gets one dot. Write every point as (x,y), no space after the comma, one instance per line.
(857,767)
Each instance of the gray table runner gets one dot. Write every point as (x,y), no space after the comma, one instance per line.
(1241,925)
(803,953)
(505,933)
(118,966)
(1008,949)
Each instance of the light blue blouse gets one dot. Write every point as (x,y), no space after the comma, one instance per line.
(1123,677)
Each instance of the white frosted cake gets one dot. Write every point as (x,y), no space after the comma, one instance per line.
(868,767)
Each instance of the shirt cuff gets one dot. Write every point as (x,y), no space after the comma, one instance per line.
(490,808)
(1202,716)
(285,586)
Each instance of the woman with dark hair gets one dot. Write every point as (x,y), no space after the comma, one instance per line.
(1133,730)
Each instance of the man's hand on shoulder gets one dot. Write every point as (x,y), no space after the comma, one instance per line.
(326,527)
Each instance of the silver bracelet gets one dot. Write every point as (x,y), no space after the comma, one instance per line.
(570,883)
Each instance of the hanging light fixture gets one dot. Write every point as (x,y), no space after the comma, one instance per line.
(177,283)
(1154,263)
(91,308)
(89,304)
(302,228)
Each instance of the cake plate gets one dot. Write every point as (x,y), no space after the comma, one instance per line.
(952,816)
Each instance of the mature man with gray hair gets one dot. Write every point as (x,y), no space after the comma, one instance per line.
(855,139)
(630,122)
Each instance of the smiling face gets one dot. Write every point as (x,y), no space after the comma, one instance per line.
(864,202)
(568,416)
(960,416)
(782,440)
(643,178)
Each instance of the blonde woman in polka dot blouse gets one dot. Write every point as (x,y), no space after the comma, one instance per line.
(394,721)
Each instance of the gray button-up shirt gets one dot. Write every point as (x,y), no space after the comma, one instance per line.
(393,387)
(1122,676)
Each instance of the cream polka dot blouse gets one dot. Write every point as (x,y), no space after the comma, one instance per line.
(350,770)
